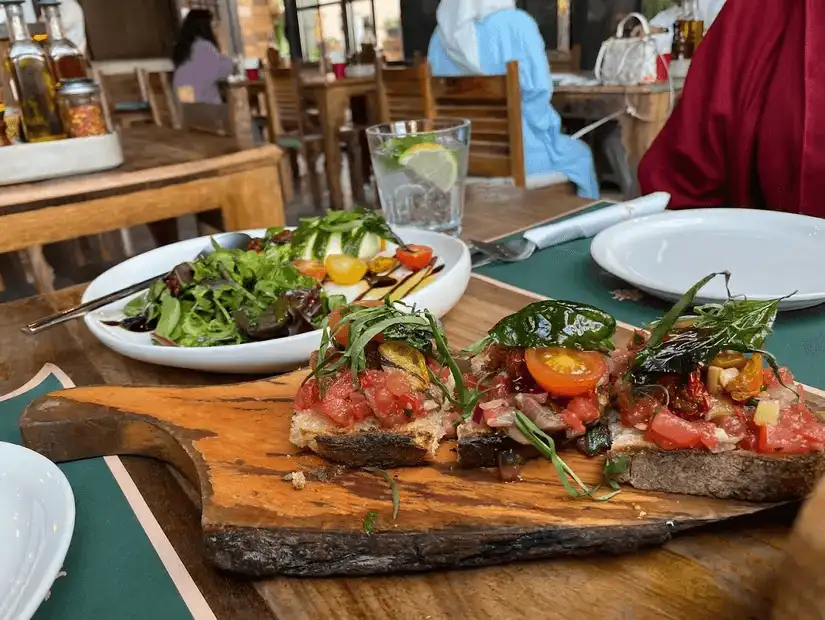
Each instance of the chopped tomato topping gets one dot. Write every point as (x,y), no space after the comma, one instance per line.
(307,395)
(774,438)
(669,431)
(415,257)
(565,372)
(770,380)
(579,411)
(636,412)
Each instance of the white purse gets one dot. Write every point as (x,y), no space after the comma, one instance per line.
(627,61)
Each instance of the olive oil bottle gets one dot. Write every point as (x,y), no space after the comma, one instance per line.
(31,80)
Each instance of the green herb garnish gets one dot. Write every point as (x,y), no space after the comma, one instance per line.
(615,469)
(396,497)
(553,323)
(680,343)
(369,522)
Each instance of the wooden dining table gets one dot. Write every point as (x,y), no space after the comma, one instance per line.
(166,173)
(722,571)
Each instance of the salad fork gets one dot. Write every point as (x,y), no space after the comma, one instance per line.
(228,241)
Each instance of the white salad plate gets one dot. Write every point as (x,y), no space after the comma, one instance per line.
(254,357)
(36,526)
(769,254)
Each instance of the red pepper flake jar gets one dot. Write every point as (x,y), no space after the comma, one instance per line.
(4,139)
(81,109)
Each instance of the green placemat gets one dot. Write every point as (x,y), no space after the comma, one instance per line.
(112,570)
(567,271)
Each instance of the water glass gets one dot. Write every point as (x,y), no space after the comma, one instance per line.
(421,169)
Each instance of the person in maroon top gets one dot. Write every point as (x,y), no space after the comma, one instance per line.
(749,130)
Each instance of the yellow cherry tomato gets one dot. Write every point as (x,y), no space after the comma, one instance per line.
(344,269)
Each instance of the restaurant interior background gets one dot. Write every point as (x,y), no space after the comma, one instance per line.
(142,33)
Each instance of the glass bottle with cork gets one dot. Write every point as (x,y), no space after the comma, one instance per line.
(31,80)
(66,61)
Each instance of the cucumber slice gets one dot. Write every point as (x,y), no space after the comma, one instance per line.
(319,245)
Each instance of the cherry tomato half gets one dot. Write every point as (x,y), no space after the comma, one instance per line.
(344,269)
(565,372)
(415,257)
(310,268)
(341,334)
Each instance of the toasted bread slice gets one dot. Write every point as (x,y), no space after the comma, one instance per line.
(367,443)
(733,474)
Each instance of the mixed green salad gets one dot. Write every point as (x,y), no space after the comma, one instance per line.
(235,296)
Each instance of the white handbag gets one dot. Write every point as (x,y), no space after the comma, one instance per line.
(627,61)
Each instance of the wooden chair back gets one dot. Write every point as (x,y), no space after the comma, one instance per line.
(492,103)
(565,61)
(124,89)
(283,100)
(162,101)
(404,93)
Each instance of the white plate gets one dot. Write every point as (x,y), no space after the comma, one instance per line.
(769,254)
(254,357)
(36,525)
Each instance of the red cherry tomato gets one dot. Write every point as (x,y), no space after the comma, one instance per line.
(342,335)
(415,257)
(565,372)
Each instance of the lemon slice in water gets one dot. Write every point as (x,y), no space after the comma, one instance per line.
(432,162)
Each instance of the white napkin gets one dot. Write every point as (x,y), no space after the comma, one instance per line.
(590,224)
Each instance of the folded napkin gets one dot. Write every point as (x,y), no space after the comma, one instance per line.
(590,224)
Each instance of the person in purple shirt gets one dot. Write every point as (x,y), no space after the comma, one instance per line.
(199,64)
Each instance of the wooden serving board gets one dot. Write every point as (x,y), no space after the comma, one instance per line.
(232,443)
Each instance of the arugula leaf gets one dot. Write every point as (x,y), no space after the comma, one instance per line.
(553,323)
(614,469)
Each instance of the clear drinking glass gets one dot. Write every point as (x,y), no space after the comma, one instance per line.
(420,169)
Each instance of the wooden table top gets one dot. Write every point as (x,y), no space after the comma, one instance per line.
(153,156)
(725,571)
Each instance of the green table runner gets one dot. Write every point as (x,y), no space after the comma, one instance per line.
(567,271)
(112,570)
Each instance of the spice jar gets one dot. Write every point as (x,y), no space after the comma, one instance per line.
(4,139)
(81,109)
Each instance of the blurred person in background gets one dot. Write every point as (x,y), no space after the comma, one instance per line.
(199,64)
(479,37)
(749,129)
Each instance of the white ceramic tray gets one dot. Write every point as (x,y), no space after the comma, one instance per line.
(24,163)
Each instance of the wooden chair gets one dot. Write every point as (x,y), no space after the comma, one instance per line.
(404,93)
(126,97)
(492,103)
(162,101)
(292,125)
(565,61)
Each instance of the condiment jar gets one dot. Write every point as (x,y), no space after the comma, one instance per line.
(81,109)
(4,139)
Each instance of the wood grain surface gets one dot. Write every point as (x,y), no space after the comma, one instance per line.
(232,443)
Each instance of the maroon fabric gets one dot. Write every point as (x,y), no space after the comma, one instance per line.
(749,129)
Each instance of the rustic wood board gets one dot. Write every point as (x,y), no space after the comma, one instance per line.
(232,442)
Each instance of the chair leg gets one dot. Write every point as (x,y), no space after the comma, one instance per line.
(356,168)
(314,179)
(164,231)
(616,156)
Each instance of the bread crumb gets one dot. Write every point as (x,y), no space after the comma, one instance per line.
(642,514)
(670,523)
(636,507)
(297,478)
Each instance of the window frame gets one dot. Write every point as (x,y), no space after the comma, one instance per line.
(292,11)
